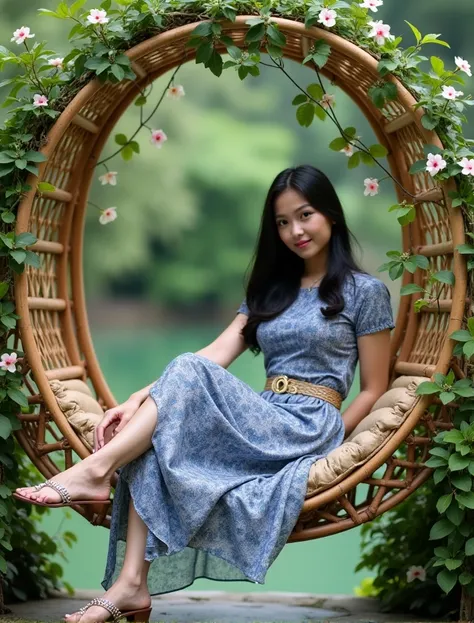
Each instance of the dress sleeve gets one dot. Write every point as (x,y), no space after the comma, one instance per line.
(375,310)
(243,309)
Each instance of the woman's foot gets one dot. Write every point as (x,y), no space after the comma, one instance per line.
(123,594)
(83,481)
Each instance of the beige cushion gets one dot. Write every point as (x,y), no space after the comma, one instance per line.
(367,438)
(82,411)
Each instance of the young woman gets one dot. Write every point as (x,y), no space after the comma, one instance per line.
(213,473)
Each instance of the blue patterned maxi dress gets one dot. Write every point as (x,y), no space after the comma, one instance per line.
(224,482)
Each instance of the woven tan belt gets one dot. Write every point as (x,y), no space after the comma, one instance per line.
(283,385)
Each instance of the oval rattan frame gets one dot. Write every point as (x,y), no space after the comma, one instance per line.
(54,331)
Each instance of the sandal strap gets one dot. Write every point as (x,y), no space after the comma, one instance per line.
(63,492)
(104,603)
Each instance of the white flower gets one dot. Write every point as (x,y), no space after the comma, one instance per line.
(371,186)
(96,16)
(109,178)
(380,32)
(467,166)
(463,65)
(157,138)
(108,216)
(450,93)
(21,34)
(348,150)
(56,62)
(175,92)
(416,573)
(9,362)
(40,100)
(371,4)
(327,17)
(435,163)
(327,100)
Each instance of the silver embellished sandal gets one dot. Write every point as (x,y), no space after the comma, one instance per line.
(63,494)
(138,616)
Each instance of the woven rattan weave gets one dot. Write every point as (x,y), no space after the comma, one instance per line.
(54,329)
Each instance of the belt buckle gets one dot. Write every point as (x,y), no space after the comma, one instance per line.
(280,384)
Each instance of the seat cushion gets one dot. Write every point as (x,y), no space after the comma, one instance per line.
(372,433)
(82,411)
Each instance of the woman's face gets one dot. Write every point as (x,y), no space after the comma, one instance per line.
(297,222)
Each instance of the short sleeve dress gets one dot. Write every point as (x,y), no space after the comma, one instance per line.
(225,480)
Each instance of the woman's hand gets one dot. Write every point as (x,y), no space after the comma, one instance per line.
(114,421)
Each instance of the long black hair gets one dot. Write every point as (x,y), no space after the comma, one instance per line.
(276,271)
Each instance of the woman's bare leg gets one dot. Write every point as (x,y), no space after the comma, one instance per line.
(90,479)
(130,591)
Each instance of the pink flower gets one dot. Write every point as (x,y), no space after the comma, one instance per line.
(467,166)
(371,4)
(416,573)
(56,62)
(450,93)
(435,163)
(175,92)
(380,32)
(109,178)
(327,17)
(108,216)
(327,100)
(9,362)
(21,34)
(40,100)
(371,186)
(348,150)
(96,16)
(157,138)
(463,65)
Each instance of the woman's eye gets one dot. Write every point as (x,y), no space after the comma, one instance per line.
(304,213)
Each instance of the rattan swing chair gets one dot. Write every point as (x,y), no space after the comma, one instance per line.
(54,331)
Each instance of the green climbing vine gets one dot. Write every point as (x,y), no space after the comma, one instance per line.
(43,83)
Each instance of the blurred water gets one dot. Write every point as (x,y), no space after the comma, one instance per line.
(133,358)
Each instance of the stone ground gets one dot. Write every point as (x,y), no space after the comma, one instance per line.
(223,607)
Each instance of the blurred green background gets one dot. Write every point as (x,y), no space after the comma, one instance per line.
(167,276)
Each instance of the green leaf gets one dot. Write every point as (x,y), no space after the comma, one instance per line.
(141,101)
(3,288)
(418,167)
(443,503)
(415,31)
(461,336)
(455,514)
(438,65)
(255,33)
(204,29)
(18,255)
(453,563)
(441,528)
(5,427)
(25,239)
(17,396)
(439,475)
(215,63)
(316,91)
(378,151)
(468,349)
(46,187)
(426,387)
(445,276)
(447,397)
(410,288)
(465,578)
(301,99)
(35,156)
(354,160)
(447,579)
(117,71)
(466,499)
(127,152)
(470,547)
(305,114)
(462,481)
(121,139)
(457,462)
(277,36)
(337,144)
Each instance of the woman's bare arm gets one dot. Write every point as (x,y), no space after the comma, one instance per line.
(374,360)
(223,350)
